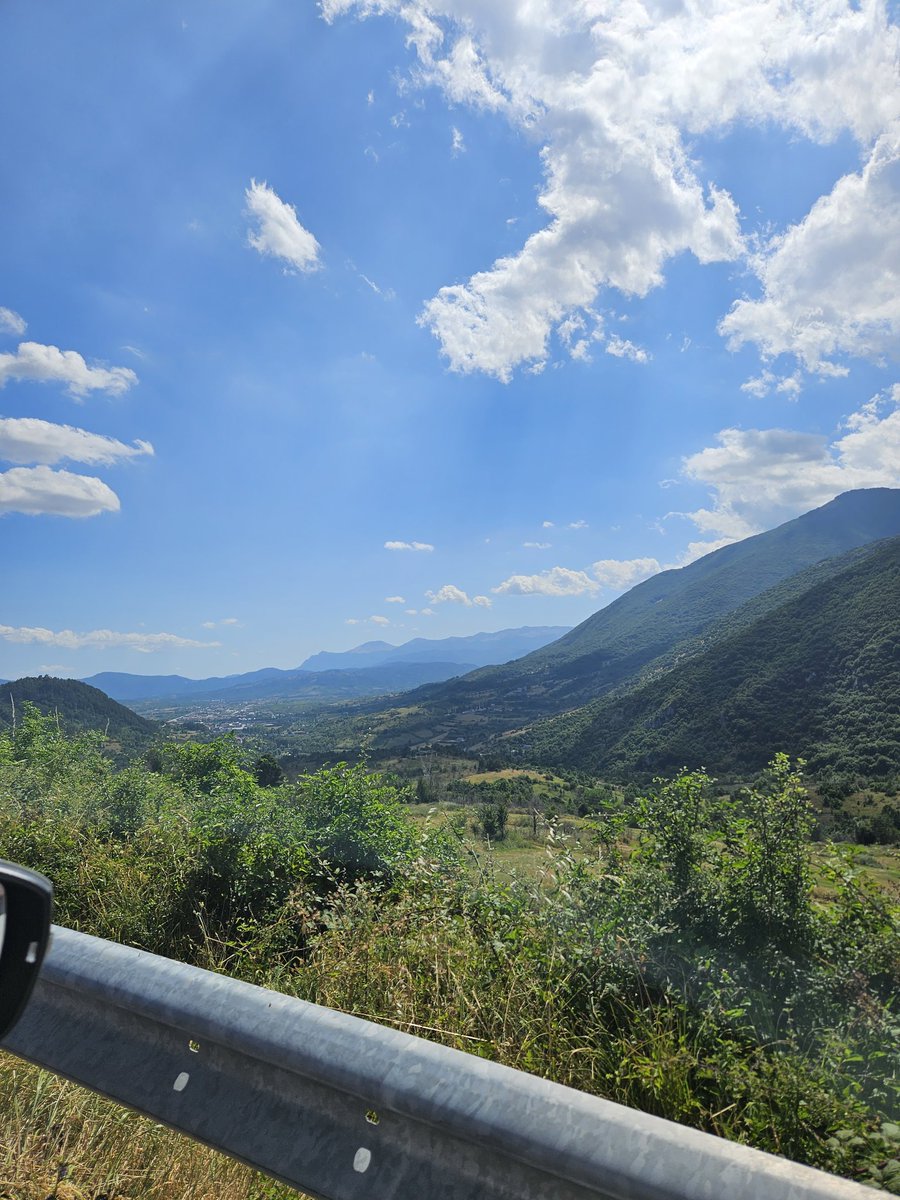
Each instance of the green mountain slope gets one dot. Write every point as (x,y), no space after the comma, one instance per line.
(79,707)
(645,630)
(817,676)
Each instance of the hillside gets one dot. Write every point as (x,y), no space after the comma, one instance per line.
(817,677)
(79,708)
(648,629)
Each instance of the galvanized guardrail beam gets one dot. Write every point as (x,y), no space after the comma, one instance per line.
(344,1109)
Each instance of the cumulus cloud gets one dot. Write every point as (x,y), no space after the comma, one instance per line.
(278,232)
(11,322)
(697,550)
(421,546)
(536,545)
(558,581)
(578,525)
(622,348)
(614,93)
(100,639)
(617,574)
(451,594)
(760,477)
(376,620)
(830,283)
(48,364)
(216,624)
(458,146)
(41,491)
(624,573)
(29,440)
(395,599)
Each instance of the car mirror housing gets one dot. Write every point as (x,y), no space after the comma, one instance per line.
(26,905)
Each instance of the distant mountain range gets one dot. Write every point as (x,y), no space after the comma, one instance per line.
(371,669)
(642,636)
(789,640)
(478,650)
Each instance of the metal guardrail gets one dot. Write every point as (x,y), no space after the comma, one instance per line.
(344,1109)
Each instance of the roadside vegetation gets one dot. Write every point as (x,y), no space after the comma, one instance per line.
(686,951)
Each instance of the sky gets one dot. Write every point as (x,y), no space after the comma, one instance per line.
(378,319)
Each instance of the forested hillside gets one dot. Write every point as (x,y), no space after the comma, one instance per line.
(817,676)
(78,708)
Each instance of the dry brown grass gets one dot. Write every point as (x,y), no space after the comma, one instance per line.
(61,1142)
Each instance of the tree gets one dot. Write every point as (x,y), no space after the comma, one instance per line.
(267,771)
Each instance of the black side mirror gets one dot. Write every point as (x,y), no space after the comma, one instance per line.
(26,904)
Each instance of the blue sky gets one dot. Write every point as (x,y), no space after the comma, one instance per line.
(321,324)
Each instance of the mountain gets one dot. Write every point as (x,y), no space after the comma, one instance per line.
(647,629)
(328,686)
(79,708)
(438,659)
(122,686)
(816,676)
(477,650)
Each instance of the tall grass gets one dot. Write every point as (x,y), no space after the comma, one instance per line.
(58,1140)
(696,977)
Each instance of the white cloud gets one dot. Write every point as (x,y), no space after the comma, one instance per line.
(451,594)
(395,600)
(697,550)
(420,546)
(217,624)
(536,545)
(458,146)
(830,284)
(546,525)
(278,232)
(426,612)
(768,381)
(48,364)
(615,94)
(40,491)
(559,581)
(760,477)
(11,322)
(100,639)
(622,348)
(29,440)
(624,573)
(379,620)
(411,612)
(578,525)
